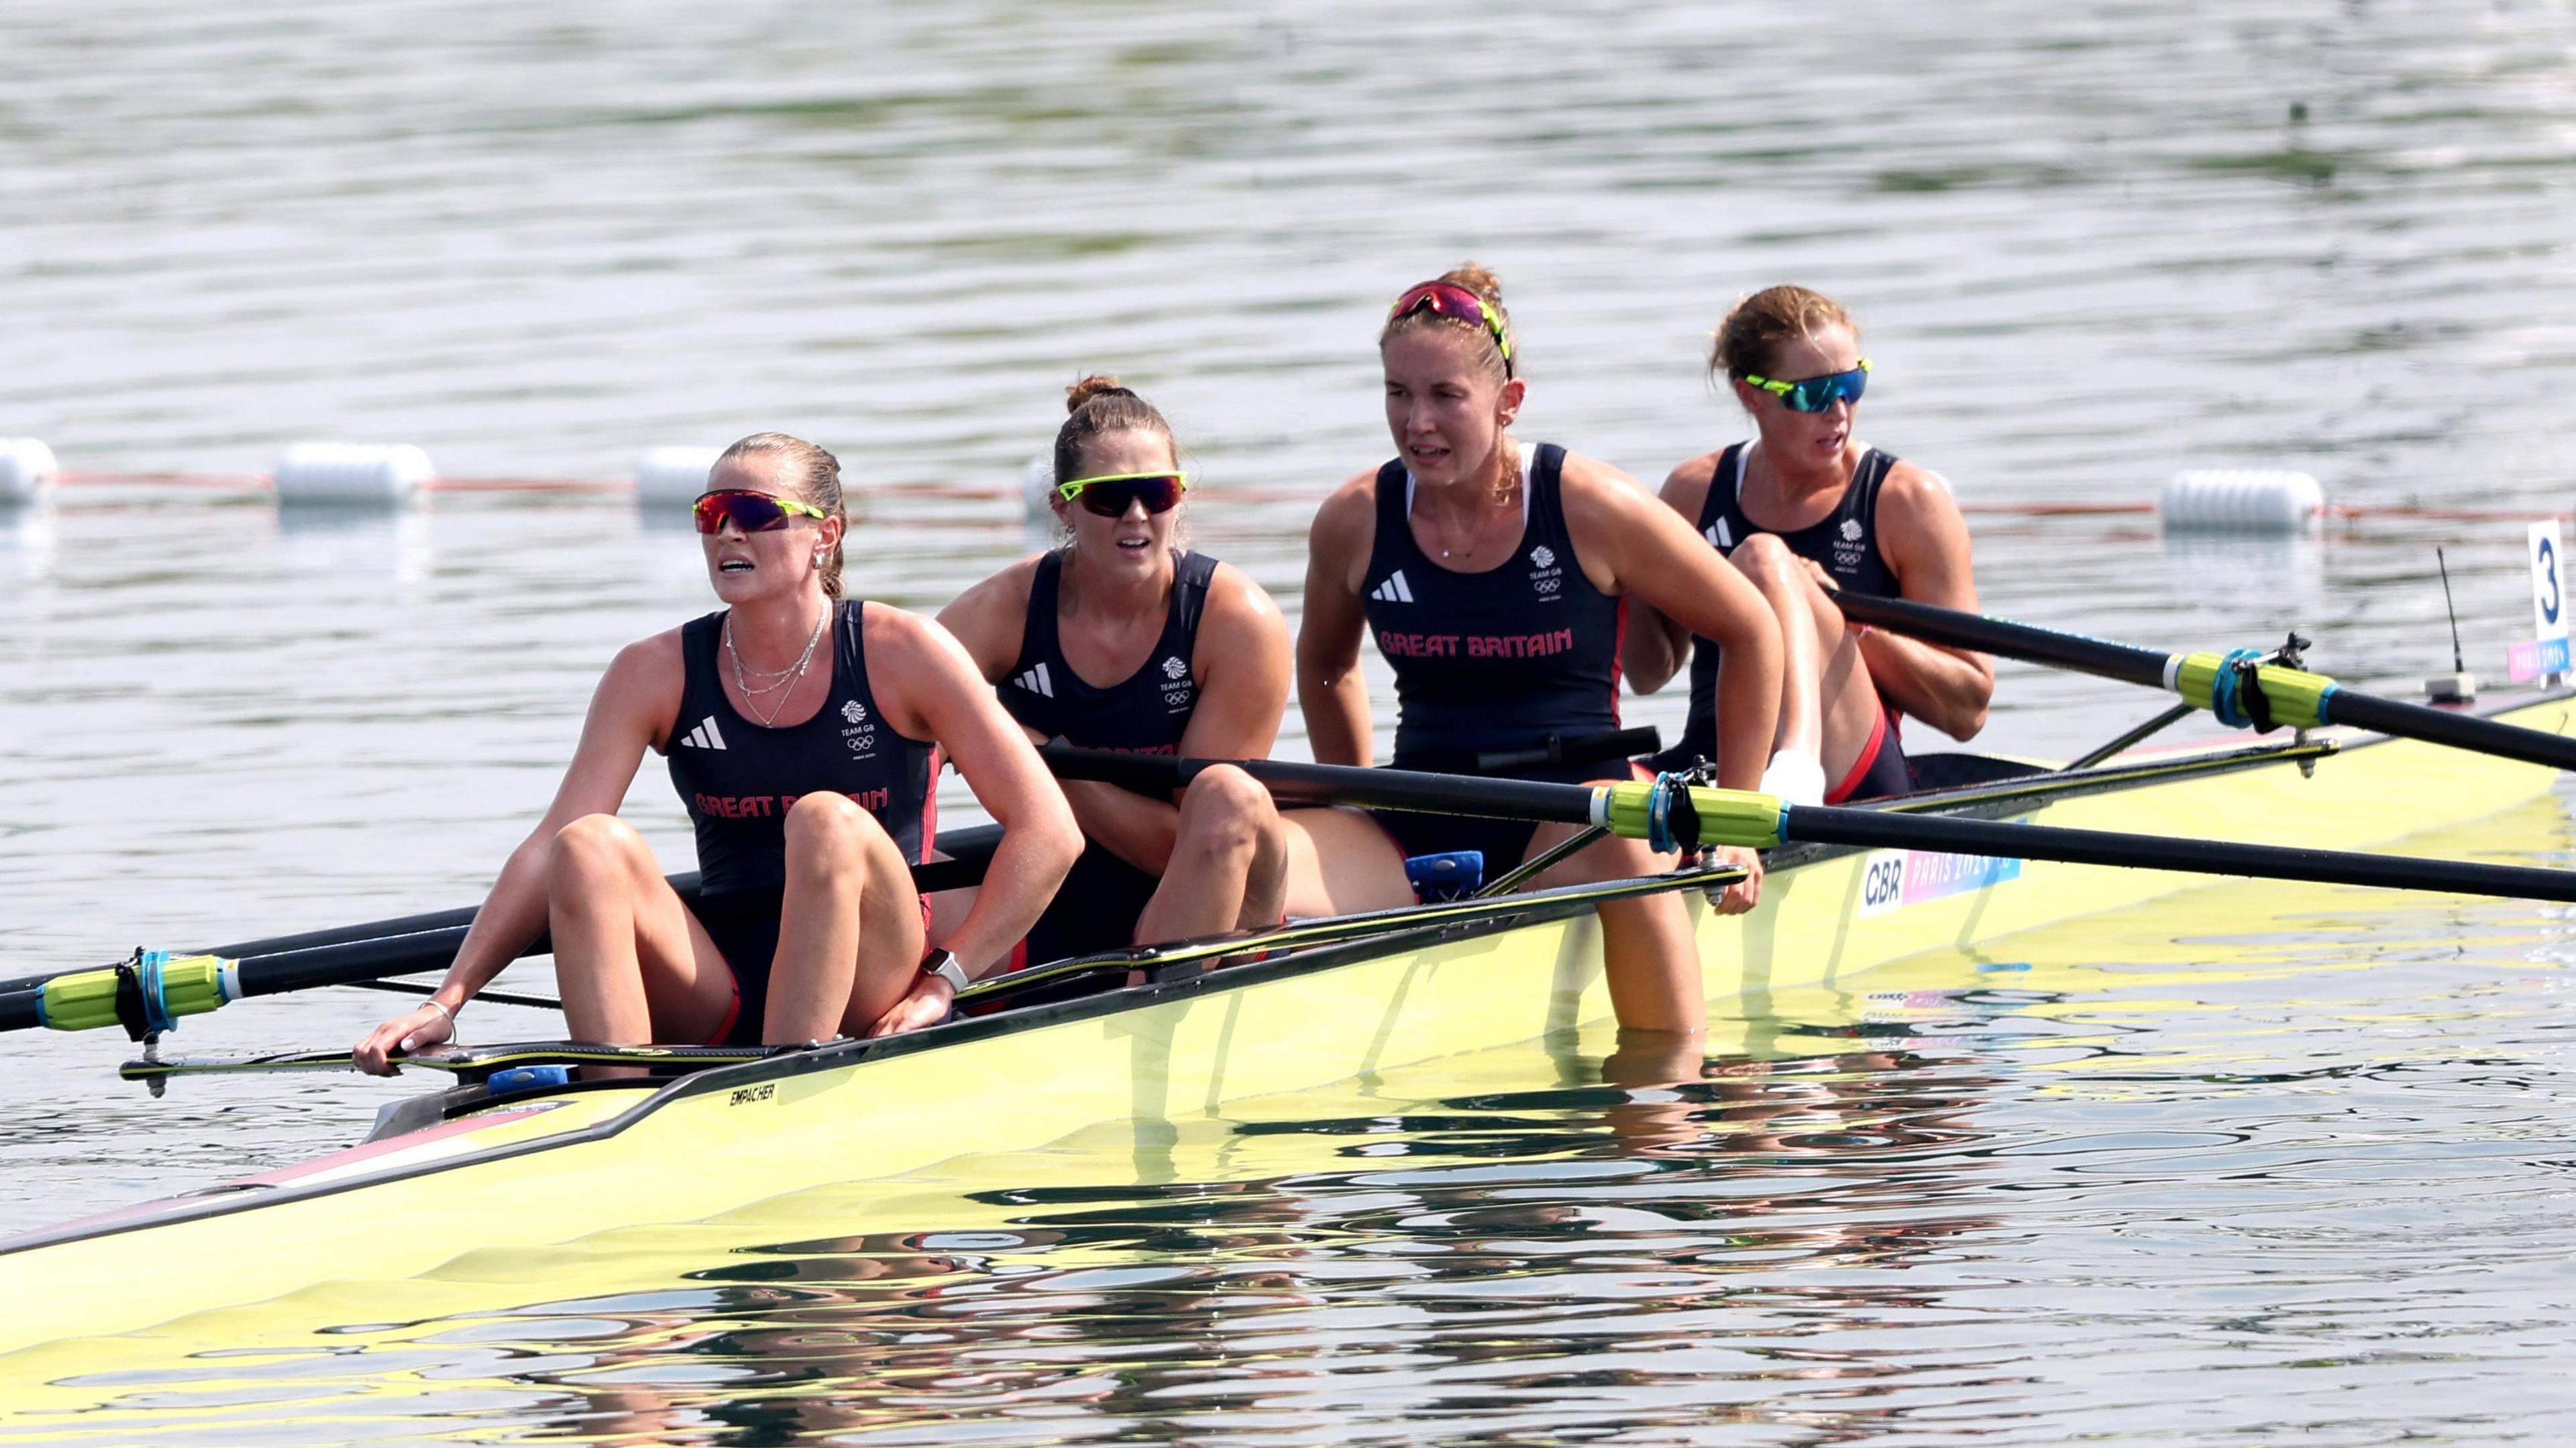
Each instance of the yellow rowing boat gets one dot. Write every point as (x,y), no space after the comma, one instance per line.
(451,1192)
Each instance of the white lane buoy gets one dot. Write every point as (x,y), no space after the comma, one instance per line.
(2241,500)
(351,474)
(670,475)
(1037,487)
(27,469)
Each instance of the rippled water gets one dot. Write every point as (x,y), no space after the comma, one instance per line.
(2311,1188)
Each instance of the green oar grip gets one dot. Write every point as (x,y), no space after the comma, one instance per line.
(2297,698)
(147,993)
(1726,816)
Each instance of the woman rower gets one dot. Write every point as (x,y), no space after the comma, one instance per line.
(1495,577)
(1805,506)
(1120,640)
(804,733)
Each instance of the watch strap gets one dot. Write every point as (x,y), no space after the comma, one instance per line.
(944,965)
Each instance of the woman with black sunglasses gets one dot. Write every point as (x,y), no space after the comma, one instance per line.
(1120,639)
(804,733)
(1803,506)
(1495,576)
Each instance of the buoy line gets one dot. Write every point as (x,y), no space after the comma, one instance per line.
(2197,500)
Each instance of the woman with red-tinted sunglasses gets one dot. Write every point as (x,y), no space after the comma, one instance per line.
(1495,576)
(804,733)
(1121,639)
(1802,506)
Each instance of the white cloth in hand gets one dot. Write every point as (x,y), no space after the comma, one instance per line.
(1796,776)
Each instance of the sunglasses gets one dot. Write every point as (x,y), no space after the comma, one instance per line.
(1110,493)
(1448,299)
(750,511)
(1817,394)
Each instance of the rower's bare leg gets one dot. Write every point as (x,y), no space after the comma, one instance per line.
(1780,575)
(1825,687)
(1228,858)
(1341,862)
(1648,951)
(849,924)
(632,964)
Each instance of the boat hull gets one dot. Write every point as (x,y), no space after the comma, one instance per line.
(511,1183)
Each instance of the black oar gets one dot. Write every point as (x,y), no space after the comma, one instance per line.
(149,992)
(1668,814)
(2237,687)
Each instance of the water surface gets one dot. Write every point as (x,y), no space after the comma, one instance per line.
(2223,1177)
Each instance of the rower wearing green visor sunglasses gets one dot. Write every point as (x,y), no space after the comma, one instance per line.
(1123,638)
(1802,506)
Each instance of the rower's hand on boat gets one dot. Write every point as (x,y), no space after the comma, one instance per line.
(927,1005)
(418,1030)
(1746,893)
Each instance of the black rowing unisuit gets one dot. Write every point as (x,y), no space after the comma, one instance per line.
(1145,713)
(1845,541)
(1495,660)
(737,779)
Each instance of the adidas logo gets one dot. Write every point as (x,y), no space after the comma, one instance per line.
(1719,535)
(1394,590)
(705,736)
(1036,682)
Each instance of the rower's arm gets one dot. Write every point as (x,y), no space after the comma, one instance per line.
(989,618)
(1926,542)
(938,695)
(1655,646)
(1241,663)
(635,701)
(1655,558)
(1330,688)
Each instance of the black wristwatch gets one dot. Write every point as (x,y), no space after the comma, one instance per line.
(944,965)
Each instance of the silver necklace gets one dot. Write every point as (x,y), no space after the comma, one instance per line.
(783,681)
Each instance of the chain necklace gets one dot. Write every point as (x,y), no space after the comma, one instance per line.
(783,681)
(1505,492)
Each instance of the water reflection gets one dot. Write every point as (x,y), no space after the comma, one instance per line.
(1456,1265)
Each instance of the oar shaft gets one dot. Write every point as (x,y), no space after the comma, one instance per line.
(1760,821)
(1291,782)
(1986,635)
(2293,690)
(1830,825)
(348,955)
(2460,731)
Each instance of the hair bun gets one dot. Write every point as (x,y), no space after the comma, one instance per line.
(1476,278)
(1098,384)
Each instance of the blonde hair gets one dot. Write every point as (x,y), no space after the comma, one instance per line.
(1747,343)
(816,475)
